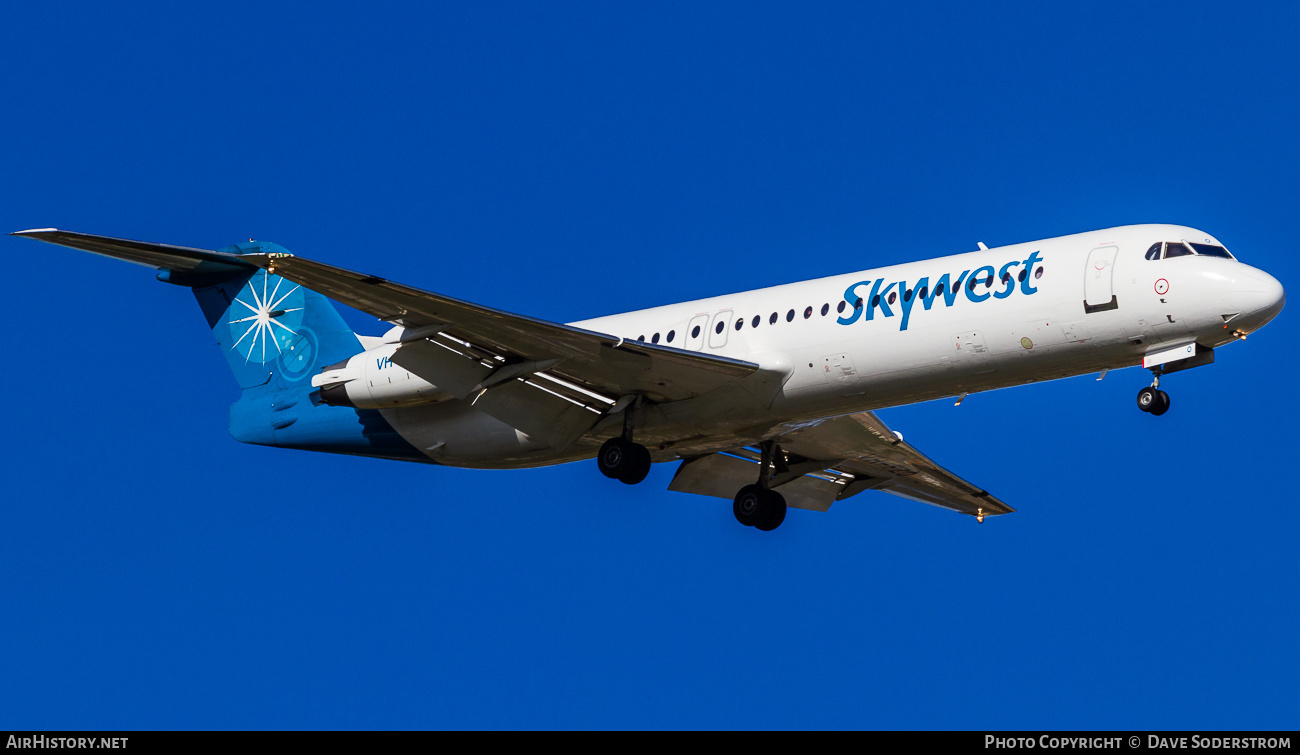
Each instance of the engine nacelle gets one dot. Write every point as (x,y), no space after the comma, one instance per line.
(371,380)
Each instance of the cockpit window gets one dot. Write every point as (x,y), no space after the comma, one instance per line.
(1209,250)
(1180,249)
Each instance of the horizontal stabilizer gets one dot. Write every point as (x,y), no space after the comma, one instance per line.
(180,260)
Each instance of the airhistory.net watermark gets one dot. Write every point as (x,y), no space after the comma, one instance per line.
(43,742)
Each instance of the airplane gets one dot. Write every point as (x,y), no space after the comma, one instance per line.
(762,397)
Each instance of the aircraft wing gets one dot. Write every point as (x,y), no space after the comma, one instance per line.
(550,380)
(824,461)
(604,363)
(596,361)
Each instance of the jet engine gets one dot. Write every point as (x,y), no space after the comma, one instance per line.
(372,380)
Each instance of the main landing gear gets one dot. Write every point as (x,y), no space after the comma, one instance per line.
(755,505)
(1153,400)
(621,459)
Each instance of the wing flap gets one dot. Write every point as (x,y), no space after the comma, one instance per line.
(834,459)
(866,448)
(537,412)
(722,475)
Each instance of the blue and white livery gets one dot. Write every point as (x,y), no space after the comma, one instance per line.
(761,397)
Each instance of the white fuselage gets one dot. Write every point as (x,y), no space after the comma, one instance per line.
(1038,311)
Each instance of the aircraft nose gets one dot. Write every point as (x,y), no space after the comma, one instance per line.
(1258,296)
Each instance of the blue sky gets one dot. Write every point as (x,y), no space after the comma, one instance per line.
(573,160)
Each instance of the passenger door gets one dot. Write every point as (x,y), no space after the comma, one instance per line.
(1098,282)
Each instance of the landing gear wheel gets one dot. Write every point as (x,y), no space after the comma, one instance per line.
(613,457)
(621,459)
(775,512)
(1149,398)
(749,505)
(1162,404)
(638,465)
(759,508)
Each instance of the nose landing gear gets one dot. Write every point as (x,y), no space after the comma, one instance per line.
(1151,399)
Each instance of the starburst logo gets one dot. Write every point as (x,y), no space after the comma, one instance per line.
(265,314)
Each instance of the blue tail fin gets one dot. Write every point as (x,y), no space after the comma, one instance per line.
(274,333)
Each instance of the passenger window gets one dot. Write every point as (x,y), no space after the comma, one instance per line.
(1176,249)
(789,316)
(695,332)
(840,307)
(654,338)
(721,325)
(807,313)
(671,333)
(825,308)
(756,321)
(772,320)
(740,323)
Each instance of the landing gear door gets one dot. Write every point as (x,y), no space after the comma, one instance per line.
(1098,284)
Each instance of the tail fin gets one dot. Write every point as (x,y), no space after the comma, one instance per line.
(274,333)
